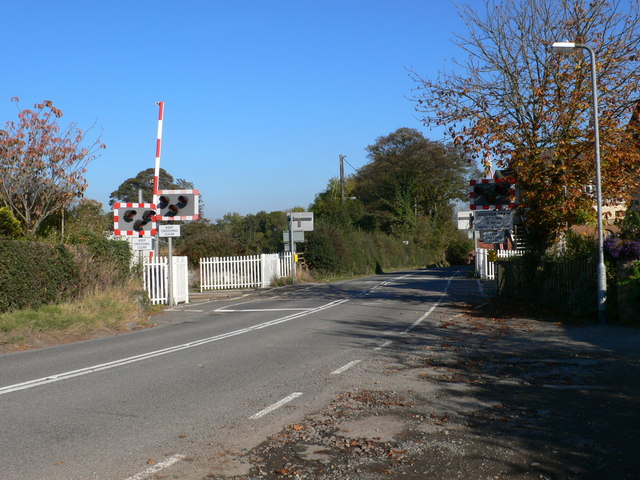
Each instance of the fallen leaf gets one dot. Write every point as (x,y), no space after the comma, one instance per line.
(150,462)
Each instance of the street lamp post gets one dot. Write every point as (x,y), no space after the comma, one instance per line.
(564,47)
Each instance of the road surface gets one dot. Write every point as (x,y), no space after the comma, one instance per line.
(214,377)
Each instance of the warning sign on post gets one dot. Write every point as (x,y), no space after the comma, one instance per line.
(169,230)
(141,243)
(493,237)
(495,220)
(301,221)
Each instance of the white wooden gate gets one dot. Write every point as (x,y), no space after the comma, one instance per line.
(155,279)
(252,271)
(485,268)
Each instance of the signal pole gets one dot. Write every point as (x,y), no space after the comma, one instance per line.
(342,187)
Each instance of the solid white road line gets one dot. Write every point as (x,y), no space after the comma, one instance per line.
(346,367)
(157,467)
(433,307)
(125,361)
(224,310)
(276,405)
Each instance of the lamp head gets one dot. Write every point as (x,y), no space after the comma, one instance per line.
(563,47)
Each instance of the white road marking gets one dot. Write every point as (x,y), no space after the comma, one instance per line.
(276,405)
(224,310)
(433,307)
(384,345)
(137,358)
(157,467)
(346,367)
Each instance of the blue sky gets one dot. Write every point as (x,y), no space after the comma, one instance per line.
(261,97)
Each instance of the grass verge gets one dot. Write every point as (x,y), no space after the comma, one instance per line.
(103,312)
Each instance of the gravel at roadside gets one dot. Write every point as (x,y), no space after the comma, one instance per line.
(473,394)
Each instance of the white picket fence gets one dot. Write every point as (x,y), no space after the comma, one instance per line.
(486,269)
(155,280)
(252,271)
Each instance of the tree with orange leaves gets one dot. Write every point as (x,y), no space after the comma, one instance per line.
(42,165)
(516,105)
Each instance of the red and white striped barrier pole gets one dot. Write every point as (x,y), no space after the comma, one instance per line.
(156,176)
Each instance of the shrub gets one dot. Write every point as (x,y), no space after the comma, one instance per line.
(458,250)
(34,274)
(102,263)
(331,251)
(10,227)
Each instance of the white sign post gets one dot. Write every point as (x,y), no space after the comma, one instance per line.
(171,232)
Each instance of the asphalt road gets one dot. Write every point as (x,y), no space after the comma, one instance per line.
(213,377)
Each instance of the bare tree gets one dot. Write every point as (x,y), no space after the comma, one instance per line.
(514,104)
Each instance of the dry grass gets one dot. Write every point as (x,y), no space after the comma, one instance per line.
(101,312)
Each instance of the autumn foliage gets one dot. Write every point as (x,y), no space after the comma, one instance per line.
(42,165)
(516,105)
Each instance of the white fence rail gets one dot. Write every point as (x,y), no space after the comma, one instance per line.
(485,268)
(155,280)
(252,271)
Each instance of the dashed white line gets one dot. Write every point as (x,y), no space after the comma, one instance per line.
(384,345)
(276,405)
(157,467)
(346,367)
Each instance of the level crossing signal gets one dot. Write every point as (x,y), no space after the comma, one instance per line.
(134,219)
(177,205)
(487,194)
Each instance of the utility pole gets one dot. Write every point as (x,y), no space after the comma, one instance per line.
(342,187)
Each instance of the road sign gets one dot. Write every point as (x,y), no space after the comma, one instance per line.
(464,220)
(134,219)
(141,243)
(177,205)
(493,237)
(298,236)
(493,220)
(169,230)
(301,221)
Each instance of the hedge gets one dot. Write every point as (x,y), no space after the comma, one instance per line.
(329,251)
(34,274)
